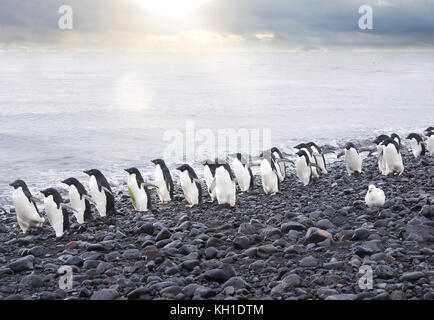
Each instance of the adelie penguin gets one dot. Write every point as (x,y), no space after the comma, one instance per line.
(319,157)
(243,173)
(138,190)
(392,157)
(25,207)
(224,185)
(353,158)
(304,168)
(429,133)
(79,200)
(102,193)
(163,181)
(270,172)
(310,153)
(190,184)
(209,174)
(417,145)
(281,165)
(56,211)
(381,163)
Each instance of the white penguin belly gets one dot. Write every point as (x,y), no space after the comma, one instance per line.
(208,180)
(77,203)
(98,196)
(189,188)
(416,148)
(140,201)
(302,170)
(393,160)
(353,160)
(225,187)
(163,192)
(430,145)
(281,172)
(269,178)
(27,215)
(242,174)
(55,215)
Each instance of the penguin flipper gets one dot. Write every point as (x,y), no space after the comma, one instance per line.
(340,154)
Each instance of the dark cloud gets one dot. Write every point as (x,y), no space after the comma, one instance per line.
(296,23)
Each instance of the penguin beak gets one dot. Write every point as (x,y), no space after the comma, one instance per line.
(154,161)
(87,172)
(63,181)
(12,184)
(179,168)
(127,170)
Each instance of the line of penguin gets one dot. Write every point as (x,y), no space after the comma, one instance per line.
(220,178)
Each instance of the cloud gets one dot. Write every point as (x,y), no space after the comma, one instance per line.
(219,23)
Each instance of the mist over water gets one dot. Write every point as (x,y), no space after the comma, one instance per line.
(62,113)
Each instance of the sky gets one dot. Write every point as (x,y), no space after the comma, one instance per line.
(215,24)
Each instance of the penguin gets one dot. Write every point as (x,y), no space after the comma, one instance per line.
(310,154)
(190,184)
(27,212)
(375,197)
(429,129)
(163,181)
(430,142)
(138,190)
(102,193)
(352,158)
(319,157)
(79,200)
(281,166)
(380,150)
(392,157)
(56,211)
(209,175)
(269,174)
(224,185)
(303,167)
(243,173)
(417,145)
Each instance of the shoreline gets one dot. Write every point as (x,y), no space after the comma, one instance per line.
(256,251)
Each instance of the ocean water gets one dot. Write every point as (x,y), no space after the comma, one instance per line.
(62,113)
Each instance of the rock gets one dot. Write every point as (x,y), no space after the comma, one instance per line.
(412,276)
(131,254)
(427,211)
(189,264)
(37,251)
(241,242)
(136,293)
(325,224)
(211,253)
(341,297)
(217,275)
(360,234)
(163,234)
(22,264)
(105,294)
(152,253)
(247,229)
(285,227)
(236,282)
(316,236)
(308,261)
(266,251)
(32,281)
(204,292)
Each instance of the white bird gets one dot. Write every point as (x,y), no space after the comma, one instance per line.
(375,197)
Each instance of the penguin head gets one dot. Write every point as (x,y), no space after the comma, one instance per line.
(159,162)
(207,162)
(54,193)
(415,136)
(301,146)
(395,137)
(70,181)
(350,145)
(132,170)
(18,183)
(183,167)
(429,129)
(380,139)
(92,172)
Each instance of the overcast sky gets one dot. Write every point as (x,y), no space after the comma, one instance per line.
(217,24)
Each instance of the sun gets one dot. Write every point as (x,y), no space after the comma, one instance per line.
(171,8)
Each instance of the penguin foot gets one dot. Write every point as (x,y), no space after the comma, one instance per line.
(273,194)
(210,201)
(40,225)
(189,205)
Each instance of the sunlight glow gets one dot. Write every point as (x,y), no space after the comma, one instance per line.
(171,8)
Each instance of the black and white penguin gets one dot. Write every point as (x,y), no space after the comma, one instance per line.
(224,185)
(209,174)
(380,150)
(319,157)
(56,211)
(397,139)
(138,190)
(190,184)
(101,193)
(304,167)
(392,157)
(269,174)
(163,181)
(430,142)
(353,158)
(281,165)
(243,173)
(79,200)
(417,145)
(310,154)
(25,206)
